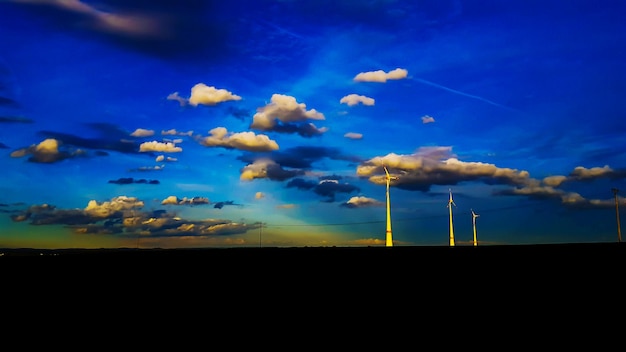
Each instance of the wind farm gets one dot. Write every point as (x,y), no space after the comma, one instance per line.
(293,131)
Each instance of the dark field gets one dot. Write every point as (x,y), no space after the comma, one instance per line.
(397,252)
(292,277)
(583,257)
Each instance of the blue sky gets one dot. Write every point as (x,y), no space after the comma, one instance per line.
(181,124)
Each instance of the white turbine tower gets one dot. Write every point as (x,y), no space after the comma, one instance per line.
(450,204)
(474,216)
(388,235)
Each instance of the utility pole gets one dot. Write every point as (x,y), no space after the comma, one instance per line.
(619,231)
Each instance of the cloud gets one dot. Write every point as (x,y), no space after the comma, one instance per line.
(584,174)
(140,132)
(47,151)
(353,135)
(285,115)
(581,173)
(123,216)
(302,157)
(176,97)
(173,200)
(266,168)
(107,208)
(354,99)
(427,119)
(205,95)
(249,141)
(381,76)
(361,202)
(327,186)
(436,166)
(130,180)
(160,158)
(174,132)
(155,146)
(554,181)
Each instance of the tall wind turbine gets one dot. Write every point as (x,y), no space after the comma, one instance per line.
(388,236)
(619,231)
(474,216)
(450,204)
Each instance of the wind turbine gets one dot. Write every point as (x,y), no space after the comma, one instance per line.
(388,235)
(450,204)
(474,216)
(619,231)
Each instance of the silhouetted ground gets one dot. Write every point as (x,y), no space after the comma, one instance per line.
(465,260)
(573,250)
(513,280)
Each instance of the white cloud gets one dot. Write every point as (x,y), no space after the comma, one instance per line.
(381,76)
(203,94)
(354,99)
(155,146)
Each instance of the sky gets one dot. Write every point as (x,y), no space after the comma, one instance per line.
(195,124)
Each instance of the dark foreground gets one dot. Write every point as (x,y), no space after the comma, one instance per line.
(574,251)
(460,259)
(293,277)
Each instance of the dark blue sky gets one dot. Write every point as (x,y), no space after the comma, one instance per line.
(199,124)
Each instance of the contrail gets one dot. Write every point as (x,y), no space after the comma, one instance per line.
(466,95)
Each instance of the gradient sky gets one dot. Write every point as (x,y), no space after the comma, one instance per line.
(179,124)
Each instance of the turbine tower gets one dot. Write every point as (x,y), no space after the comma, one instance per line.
(619,231)
(450,204)
(388,235)
(474,216)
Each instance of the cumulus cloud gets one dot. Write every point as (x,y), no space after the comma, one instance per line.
(381,76)
(220,137)
(285,115)
(124,216)
(436,166)
(208,95)
(173,200)
(107,208)
(47,151)
(155,146)
(583,173)
(267,168)
(354,99)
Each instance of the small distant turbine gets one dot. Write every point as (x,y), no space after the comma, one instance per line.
(619,231)
(388,235)
(474,216)
(450,204)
